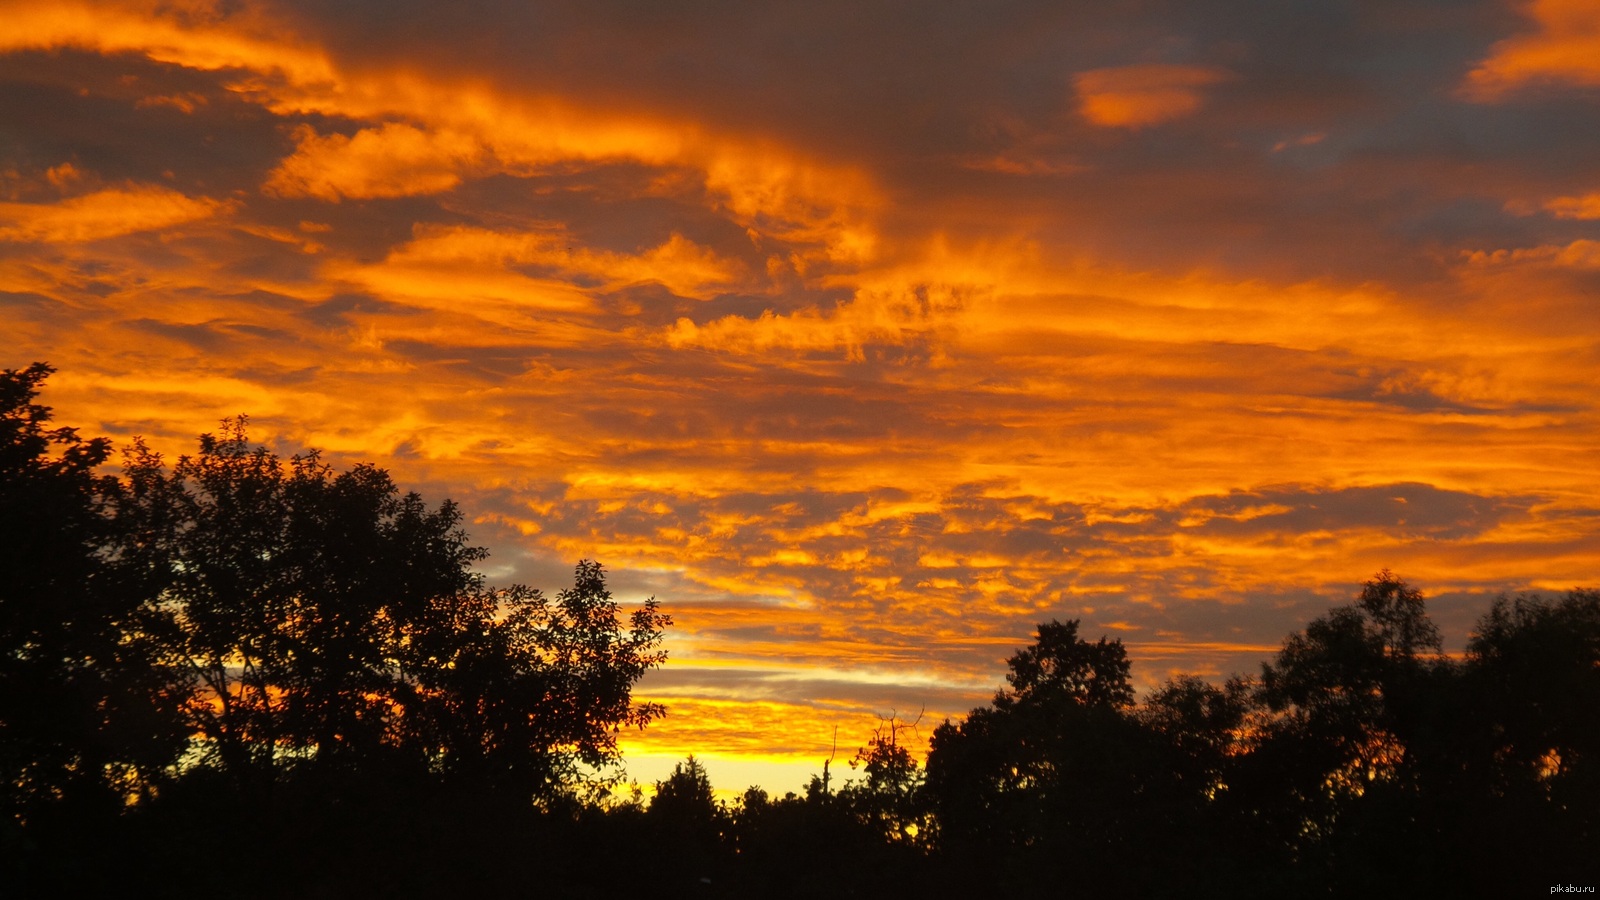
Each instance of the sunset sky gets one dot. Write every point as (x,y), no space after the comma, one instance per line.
(865,336)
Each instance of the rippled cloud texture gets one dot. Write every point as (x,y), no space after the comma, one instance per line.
(865,336)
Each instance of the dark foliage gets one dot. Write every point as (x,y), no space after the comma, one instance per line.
(239,675)
(333,628)
(88,709)
(1057,779)
(1362,763)
(242,652)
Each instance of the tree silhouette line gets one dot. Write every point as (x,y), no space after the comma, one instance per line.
(242,674)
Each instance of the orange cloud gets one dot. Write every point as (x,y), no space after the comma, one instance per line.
(795,200)
(429,134)
(1563,49)
(1585,207)
(888,318)
(103,214)
(771,189)
(193,33)
(1142,95)
(1001,298)
(454,266)
(392,160)
(1579,254)
(776,731)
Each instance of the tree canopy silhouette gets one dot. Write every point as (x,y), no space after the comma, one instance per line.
(1363,761)
(1038,784)
(88,705)
(239,617)
(311,657)
(331,623)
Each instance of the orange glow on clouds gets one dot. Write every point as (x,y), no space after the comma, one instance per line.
(866,373)
(103,214)
(1563,48)
(189,33)
(1136,96)
(393,160)
(1585,207)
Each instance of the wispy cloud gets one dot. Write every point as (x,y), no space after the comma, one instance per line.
(1142,95)
(1561,48)
(103,214)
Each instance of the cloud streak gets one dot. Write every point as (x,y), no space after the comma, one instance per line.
(1142,95)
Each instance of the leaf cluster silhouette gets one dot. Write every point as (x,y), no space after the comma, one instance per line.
(263,677)
(241,647)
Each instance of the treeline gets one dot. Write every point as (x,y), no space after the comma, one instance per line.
(1361,762)
(239,674)
(244,675)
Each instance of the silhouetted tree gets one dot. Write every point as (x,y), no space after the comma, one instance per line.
(848,842)
(88,711)
(334,625)
(798,845)
(1204,727)
(1343,766)
(89,703)
(1061,669)
(889,801)
(1200,808)
(308,658)
(1537,663)
(540,702)
(685,799)
(689,831)
(1047,780)
(301,659)
(1529,701)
